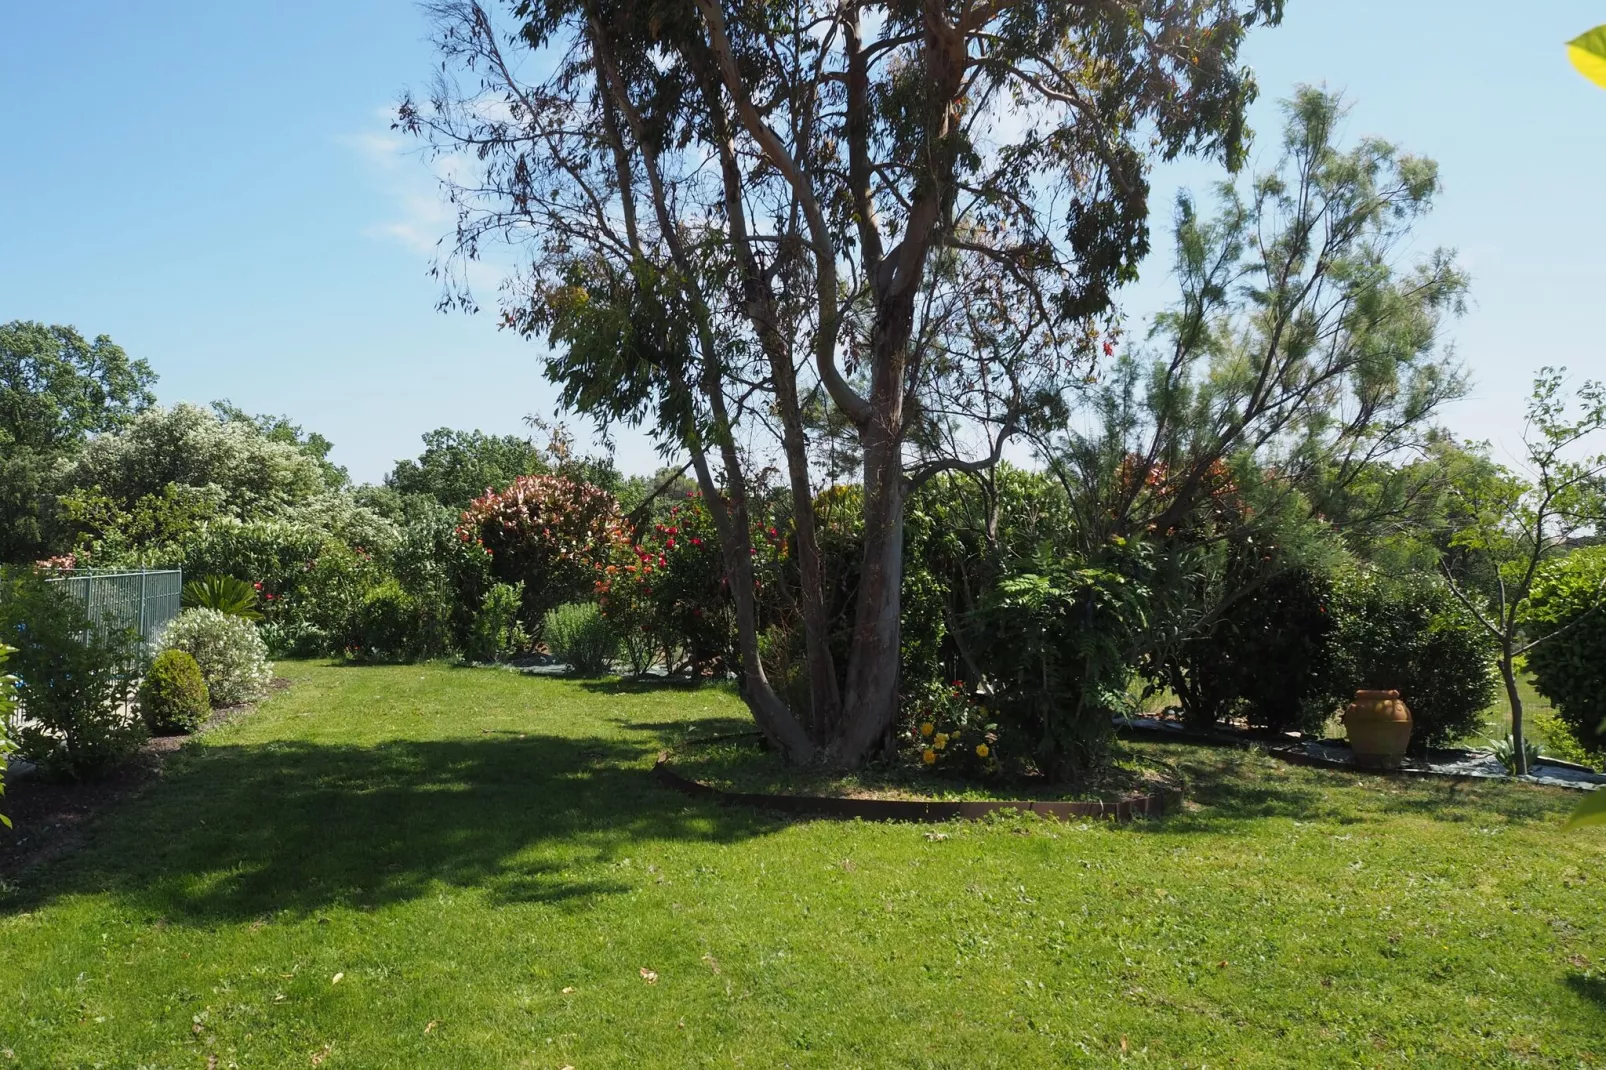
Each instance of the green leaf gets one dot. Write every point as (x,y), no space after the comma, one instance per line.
(1588,53)
(226,594)
(1592,811)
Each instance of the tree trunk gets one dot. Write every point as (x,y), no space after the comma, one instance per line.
(759,303)
(870,701)
(1519,758)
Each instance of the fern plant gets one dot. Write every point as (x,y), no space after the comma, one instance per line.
(227,594)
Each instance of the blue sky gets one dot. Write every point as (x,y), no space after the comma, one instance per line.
(215,186)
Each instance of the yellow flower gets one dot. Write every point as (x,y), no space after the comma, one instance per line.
(927,728)
(981,750)
(941,741)
(928,756)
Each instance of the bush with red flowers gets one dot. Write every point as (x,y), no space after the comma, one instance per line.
(549,533)
(665,591)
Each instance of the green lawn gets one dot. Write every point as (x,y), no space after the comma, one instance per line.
(483,864)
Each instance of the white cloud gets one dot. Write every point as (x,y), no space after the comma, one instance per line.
(416,215)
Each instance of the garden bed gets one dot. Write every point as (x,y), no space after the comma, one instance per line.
(734,770)
(1336,754)
(48,815)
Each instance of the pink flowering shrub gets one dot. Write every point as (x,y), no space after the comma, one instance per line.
(549,533)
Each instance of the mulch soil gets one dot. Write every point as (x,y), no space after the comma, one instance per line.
(49,817)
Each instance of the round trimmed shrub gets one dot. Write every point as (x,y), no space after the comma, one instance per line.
(580,636)
(173,697)
(1570,669)
(232,656)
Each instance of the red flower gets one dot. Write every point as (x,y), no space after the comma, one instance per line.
(1109,349)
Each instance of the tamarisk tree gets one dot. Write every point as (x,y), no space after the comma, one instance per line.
(733,216)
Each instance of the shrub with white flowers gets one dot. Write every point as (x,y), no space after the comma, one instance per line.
(232,656)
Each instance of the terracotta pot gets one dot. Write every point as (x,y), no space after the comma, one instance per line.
(1379,727)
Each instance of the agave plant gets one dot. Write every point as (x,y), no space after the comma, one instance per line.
(226,594)
(1505,752)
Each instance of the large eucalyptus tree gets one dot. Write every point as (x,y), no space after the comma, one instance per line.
(732,216)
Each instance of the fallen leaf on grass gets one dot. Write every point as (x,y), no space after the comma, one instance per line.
(211,1062)
(649,976)
(320,1055)
(712,963)
(338,978)
(569,991)
(430,1028)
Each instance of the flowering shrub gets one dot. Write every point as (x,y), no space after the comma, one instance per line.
(232,656)
(946,729)
(546,532)
(665,593)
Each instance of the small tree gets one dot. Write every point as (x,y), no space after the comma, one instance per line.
(1516,525)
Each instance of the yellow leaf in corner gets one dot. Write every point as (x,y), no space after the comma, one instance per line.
(1588,53)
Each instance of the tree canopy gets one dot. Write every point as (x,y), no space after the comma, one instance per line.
(911,217)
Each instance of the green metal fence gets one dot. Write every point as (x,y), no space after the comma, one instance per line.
(144,601)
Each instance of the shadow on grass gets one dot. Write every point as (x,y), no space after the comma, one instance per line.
(1590,986)
(673,733)
(232,833)
(1233,786)
(650,685)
